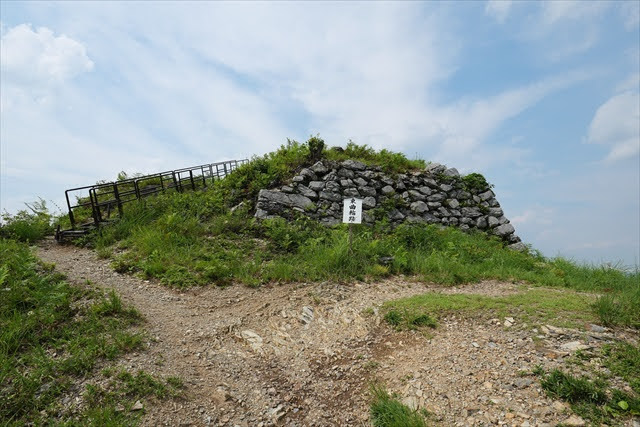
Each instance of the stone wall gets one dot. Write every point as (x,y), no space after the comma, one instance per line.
(437,195)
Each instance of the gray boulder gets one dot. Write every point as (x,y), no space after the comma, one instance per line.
(520,247)
(435,168)
(416,195)
(396,215)
(425,190)
(300,201)
(351,192)
(471,212)
(368,202)
(354,165)
(452,172)
(319,168)
(504,230)
(327,195)
(360,182)
(387,190)
(273,197)
(367,191)
(346,173)
(481,223)
(316,185)
(438,197)
(419,207)
(497,212)
(307,192)
(487,195)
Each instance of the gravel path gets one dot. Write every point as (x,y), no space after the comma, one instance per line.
(306,354)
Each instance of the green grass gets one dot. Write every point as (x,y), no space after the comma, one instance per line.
(595,399)
(193,239)
(389,161)
(387,411)
(539,305)
(190,239)
(52,335)
(27,225)
(113,401)
(623,360)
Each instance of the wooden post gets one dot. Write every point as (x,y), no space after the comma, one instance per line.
(350,238)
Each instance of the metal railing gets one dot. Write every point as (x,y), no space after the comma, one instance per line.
(100,201)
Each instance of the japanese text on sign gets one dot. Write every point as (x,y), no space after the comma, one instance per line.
(352,213)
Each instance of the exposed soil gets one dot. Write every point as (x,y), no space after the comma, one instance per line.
(306,354)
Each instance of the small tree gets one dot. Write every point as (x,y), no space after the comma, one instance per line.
(316,147)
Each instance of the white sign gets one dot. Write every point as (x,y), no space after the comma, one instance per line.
(352,213)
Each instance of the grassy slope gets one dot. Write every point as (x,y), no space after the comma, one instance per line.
(52,334)
(194,239)
(186,239)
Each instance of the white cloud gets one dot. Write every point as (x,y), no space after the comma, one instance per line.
(616,123)
(563,29)
(221,80)
(40,58)
(573,45)
(498,9)
(464,126)
(555,12)
(630,13)
(537,215)
(630,83)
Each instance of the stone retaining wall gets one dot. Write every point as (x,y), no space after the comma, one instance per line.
(436,195)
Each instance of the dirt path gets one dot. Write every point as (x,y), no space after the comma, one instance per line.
(305,354)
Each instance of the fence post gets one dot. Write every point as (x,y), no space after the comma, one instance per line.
(71,218)
(117,196)
(137,189)
(175,181)
(193,184)
(95,209)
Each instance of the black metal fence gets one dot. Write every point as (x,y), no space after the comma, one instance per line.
(97,203)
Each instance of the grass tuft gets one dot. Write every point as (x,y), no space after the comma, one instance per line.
(596,400)
(387,411)
(573,389)
(51,334)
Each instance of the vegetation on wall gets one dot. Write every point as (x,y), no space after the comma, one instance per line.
(211,238)
(187,239)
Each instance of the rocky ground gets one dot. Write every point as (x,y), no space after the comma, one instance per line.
(306,354)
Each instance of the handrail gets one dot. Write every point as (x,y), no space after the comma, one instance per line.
(110,195)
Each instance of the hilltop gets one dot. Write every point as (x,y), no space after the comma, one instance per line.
(275,321)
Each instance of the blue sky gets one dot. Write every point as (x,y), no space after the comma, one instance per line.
(540,97)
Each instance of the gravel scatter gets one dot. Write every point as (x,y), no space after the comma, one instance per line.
(305,354)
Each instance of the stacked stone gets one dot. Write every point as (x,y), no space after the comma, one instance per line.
(436,195)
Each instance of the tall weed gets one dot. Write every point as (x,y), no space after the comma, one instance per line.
(29,225)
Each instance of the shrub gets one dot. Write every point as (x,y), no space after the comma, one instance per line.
(476,182)
(316,147)
(27,226)
(389,161)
